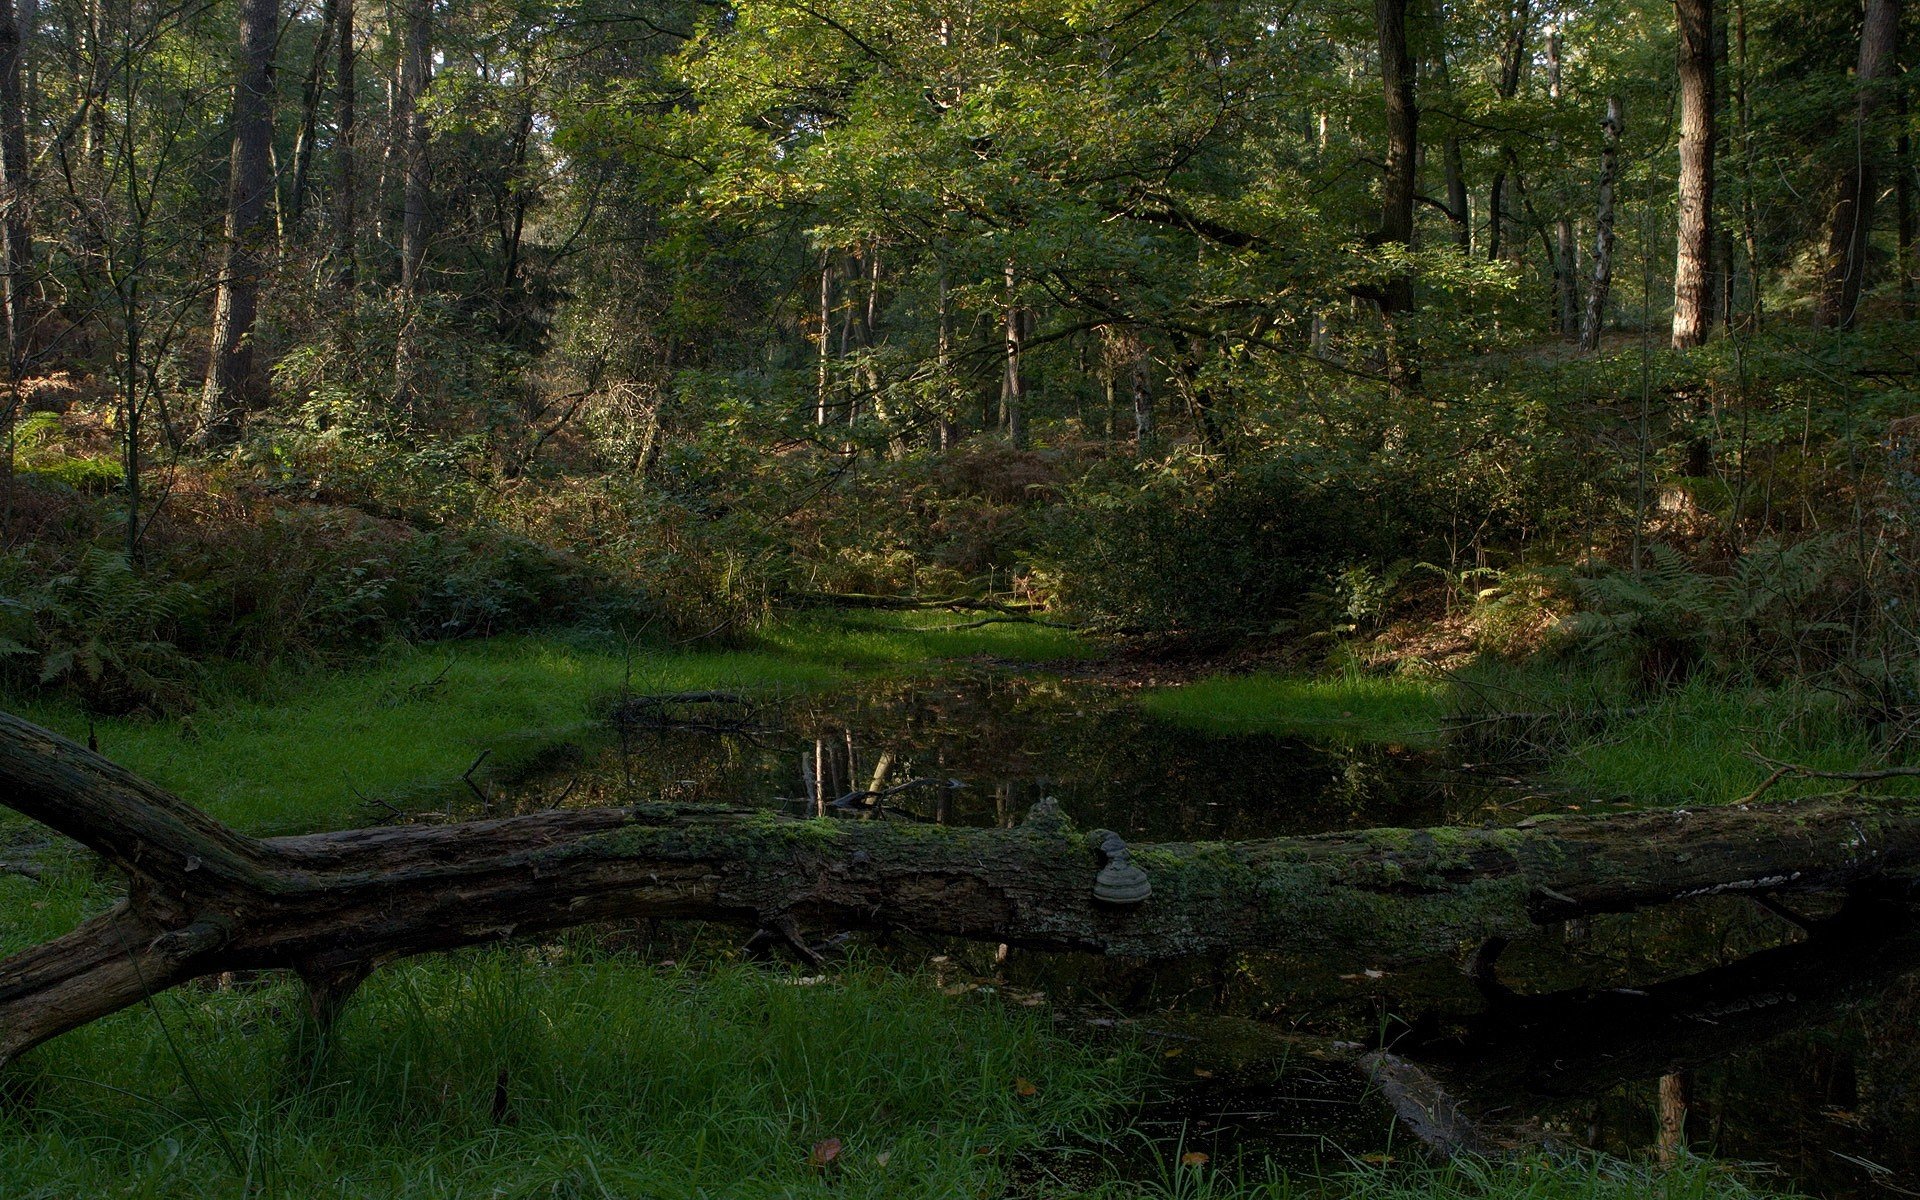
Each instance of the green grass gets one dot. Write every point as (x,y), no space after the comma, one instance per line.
(413,723)
(898,639)
(502,1074)
(1351,708)
(1697,745)
(560,1070)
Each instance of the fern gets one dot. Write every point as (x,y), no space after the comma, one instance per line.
(99,631)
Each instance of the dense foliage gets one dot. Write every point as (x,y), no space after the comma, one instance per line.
(662,314)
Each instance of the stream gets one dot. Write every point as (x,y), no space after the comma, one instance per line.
(1715,1026)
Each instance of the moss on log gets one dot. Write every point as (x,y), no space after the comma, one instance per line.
(203,898)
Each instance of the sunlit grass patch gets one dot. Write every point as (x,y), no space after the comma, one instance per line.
(500,1073)
(881,638)
(311,759)
(1400,709)
(1704,744)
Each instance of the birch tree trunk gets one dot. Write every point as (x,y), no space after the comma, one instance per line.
(1693,259)
(1596,313)
(1013,381)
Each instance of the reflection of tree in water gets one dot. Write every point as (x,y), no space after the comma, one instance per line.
(1011,741)
(984,748)
(1825,1091)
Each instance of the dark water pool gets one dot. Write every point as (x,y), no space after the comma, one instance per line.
(1717,1027)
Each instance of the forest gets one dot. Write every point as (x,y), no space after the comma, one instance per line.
(1180,599)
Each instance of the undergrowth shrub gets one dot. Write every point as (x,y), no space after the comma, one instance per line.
(1778,611)
(248,586)
(1179,550)
(96,631)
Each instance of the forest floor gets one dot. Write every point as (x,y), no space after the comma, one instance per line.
(582,1066)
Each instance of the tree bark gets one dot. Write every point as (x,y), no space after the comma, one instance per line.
(346,208)
(1452,167)
(204,899)
(16,198)
(1403,140)
(1693,260)
(1013,379)
(1566,250)
(416,66)
(1512,65)
(232,384)
(310,93)
(1856,187)
(1603,229)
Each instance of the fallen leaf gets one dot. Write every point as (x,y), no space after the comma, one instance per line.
(883,1158)
(1176,1052)
(1026,1087)
(1193,1158)
(1202,1073)
(824,1152)
(1377,1158)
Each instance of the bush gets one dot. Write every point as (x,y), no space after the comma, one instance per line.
(97,632)
(1183,551)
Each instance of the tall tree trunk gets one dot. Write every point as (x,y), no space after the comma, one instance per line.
(310,93)
(1749,213)
(232,383)
(1596,313)
(1142,397)
(1847,241)
(346,207)
(1403,140)
(1451,165)
(1566,251)
(416,67)
(1013,382)
(16,198)
(826,336)
(1903,209)
(16,246)
(1693,260)
(1513,61)
(943,397)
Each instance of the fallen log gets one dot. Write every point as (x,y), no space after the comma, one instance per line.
(203,898)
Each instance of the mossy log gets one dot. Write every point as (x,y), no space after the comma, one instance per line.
(203,898)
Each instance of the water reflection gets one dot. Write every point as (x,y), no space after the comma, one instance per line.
(982,749)
(1716,1026)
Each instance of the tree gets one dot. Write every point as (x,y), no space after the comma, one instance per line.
(1857,185)
(410,118)
(232,384)
(1693,265)
(1596,312)
(1403,146)
(346,208)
